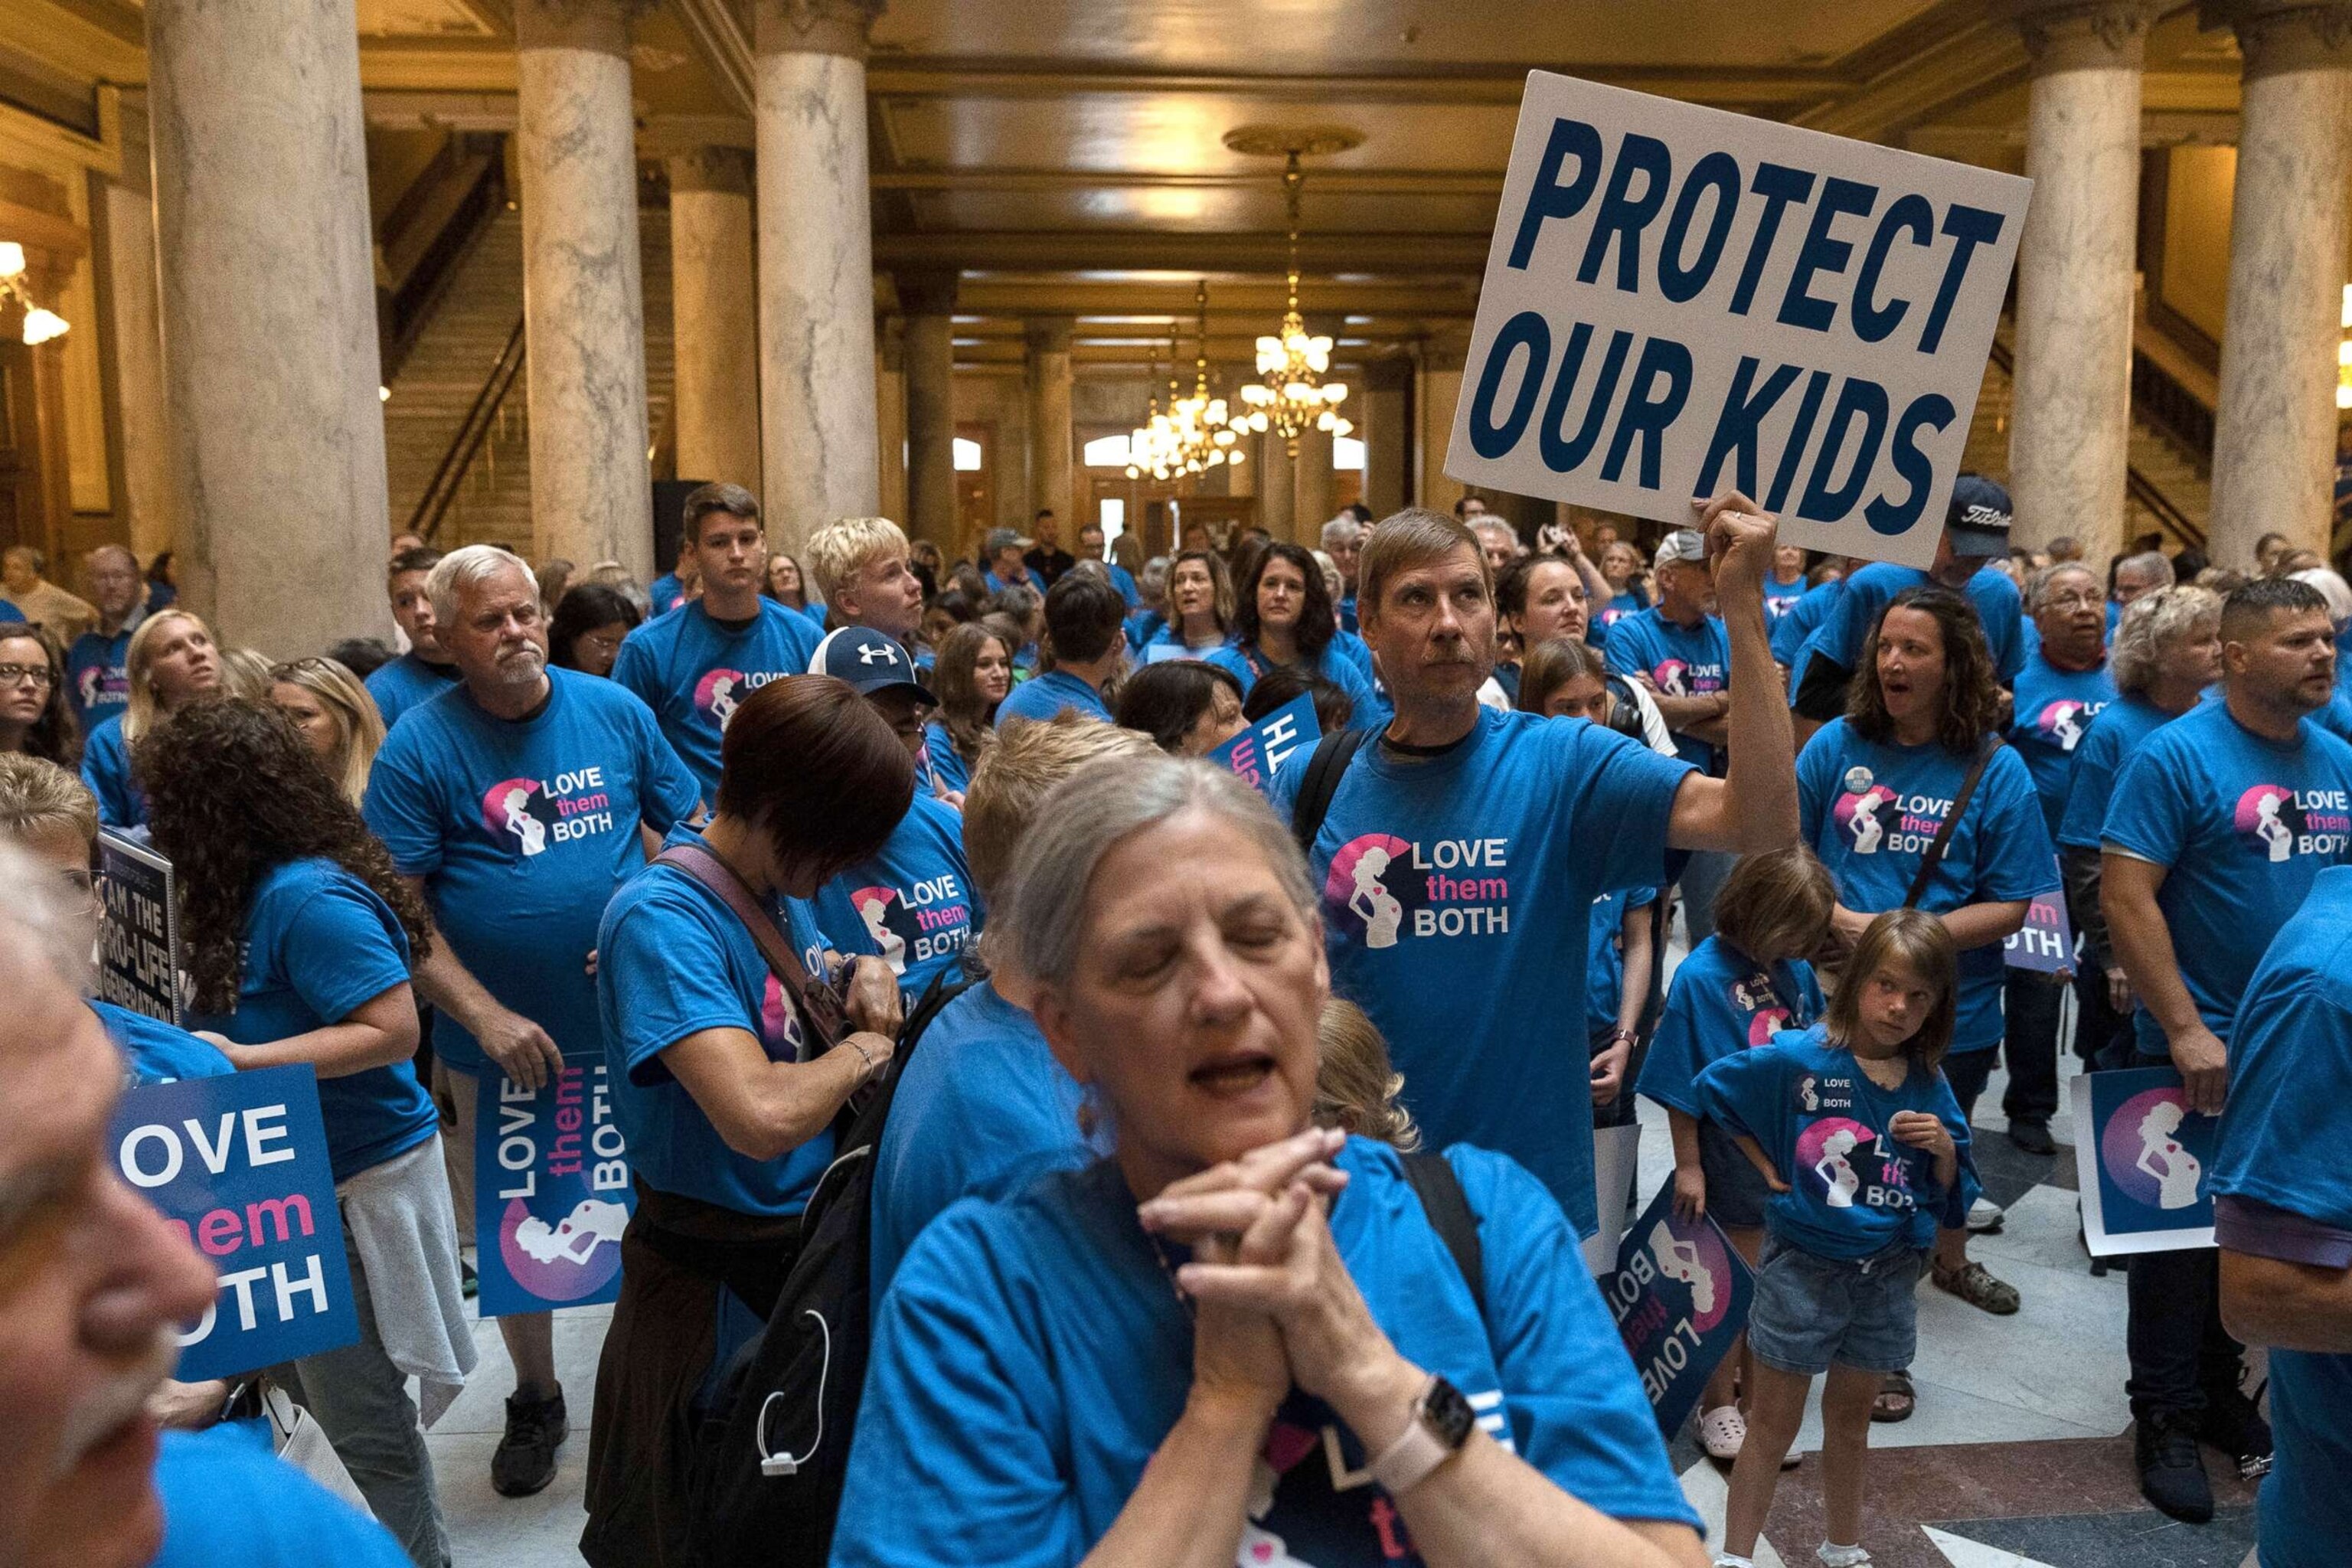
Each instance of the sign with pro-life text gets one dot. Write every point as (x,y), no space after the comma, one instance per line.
(2141,1158)
(1680,1295)
(551,1192)
(1259,751)
(237,1164)
(139,941)
(1681,300)
(2045,942)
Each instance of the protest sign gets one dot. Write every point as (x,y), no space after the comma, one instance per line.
(1259,751)
(2045,944)
(2141,1157)
(139,947)
(1616,1151)
(1680,1293)
(551,1192)
(237,1164)
(1679,301)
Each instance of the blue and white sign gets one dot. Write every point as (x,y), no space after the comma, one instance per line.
(238,1165)
(1680,1294)
(1258,751)
(2141,1158)
(1680,299)
(2045,942)
(551,1192)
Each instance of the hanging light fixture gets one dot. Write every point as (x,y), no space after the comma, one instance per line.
(1207,430)
(40,325)
(1291,395)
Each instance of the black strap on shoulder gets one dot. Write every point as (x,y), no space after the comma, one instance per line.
(1324,769)
(1447,1206)
(1943,840)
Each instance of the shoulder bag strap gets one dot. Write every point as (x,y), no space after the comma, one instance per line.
(818,1007)
(1332,754)
(1943,840)
(1434,1182)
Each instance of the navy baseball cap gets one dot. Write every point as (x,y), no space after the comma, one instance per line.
(1978,521)
(866,659)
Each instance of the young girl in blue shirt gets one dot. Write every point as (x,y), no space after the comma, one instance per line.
(1854,1128)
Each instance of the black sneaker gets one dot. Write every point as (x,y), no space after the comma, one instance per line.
(525,1460)
(2171,1473)
(2032,1135)
(2235,1425)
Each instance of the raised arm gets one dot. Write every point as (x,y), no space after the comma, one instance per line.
(1754,807)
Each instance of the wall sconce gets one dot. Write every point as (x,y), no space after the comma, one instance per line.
(40,324)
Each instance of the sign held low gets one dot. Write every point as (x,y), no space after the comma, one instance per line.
(1681,300)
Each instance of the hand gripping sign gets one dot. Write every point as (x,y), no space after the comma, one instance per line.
(1679,301)
(551,1192)
(1680,1294)
(238,1165)
(2141,1160)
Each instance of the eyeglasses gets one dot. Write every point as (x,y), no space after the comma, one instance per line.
(2076,601)
(36,675)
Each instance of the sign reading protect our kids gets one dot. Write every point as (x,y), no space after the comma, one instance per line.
(1680,1294)
(237,1164)
(2141,1158)
(1679,301)
(551,1192)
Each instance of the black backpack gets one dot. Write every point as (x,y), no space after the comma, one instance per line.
(768,1464)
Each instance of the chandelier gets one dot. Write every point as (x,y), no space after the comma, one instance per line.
(1198,431)
(1291,394)
(40,325)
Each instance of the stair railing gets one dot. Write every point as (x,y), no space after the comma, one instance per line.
(466,444)
(2136,484)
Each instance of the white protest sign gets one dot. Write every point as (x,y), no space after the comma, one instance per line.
(1681,300)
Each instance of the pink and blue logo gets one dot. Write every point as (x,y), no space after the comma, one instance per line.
(1864,816)
(518,813)
(2061,722)
(1696,1255)
(2268,819)
(1368,881)
(1673,676)
(1826,1155)
(573,1258)
(2144,1154)
(1767,1022)
(718,694)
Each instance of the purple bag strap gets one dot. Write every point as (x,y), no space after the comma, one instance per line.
(817,1007)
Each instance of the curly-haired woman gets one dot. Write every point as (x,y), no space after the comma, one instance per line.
(302,938)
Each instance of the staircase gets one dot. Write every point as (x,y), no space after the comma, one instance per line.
(453,356)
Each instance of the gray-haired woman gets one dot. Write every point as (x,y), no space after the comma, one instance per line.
(1238,1337)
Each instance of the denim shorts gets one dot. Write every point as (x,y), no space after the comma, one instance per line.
(1810,1311)
(1736,1190)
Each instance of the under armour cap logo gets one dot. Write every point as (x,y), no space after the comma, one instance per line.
(875,653)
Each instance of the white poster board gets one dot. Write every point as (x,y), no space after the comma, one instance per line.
(1680,301)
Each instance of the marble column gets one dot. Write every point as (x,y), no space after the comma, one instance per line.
(1437,391)
(1048,343)
(817,265)
(582,283)
(268,305)
(1311,485)
(891,417)
(148,504)
(714,299)
(2274,433)
(1278,494)
(929,300)
(2069,443)
(1384,424)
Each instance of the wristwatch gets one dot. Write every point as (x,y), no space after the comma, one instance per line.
(1441,1424)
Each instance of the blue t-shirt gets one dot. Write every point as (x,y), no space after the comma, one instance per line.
(2336,717)
(97,677)
(317,943)
(673,961)
(912,904)
(406,682)
(2288,1117)
(1853,1191)
(1870,810)
(666,594)
(1680,661)
(1171,635)
(158,1052)
(1793,630)
(2054,711)
(227,1498)
(1780,597)
(1722,1003)
(1456,898)
(522,829)
(982,1109)
(1604,963)
(105,769)
(948,766)
(1032,1355)
(1618,606)
(1347,612)
(1245,664)
(1124,581)
(2242,824)
(2112,739)
(1356,651)
(10,612)
(694,672)
(1868,591)
(1041,697)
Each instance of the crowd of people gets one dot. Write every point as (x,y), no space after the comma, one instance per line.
(1227,1203)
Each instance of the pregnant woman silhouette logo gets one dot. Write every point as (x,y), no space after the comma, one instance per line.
(1366,887)
(2143,1157)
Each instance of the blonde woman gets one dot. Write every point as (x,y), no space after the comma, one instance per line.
(171,660)
(337,717)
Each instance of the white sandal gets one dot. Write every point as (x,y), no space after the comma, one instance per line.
(1723,1432)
